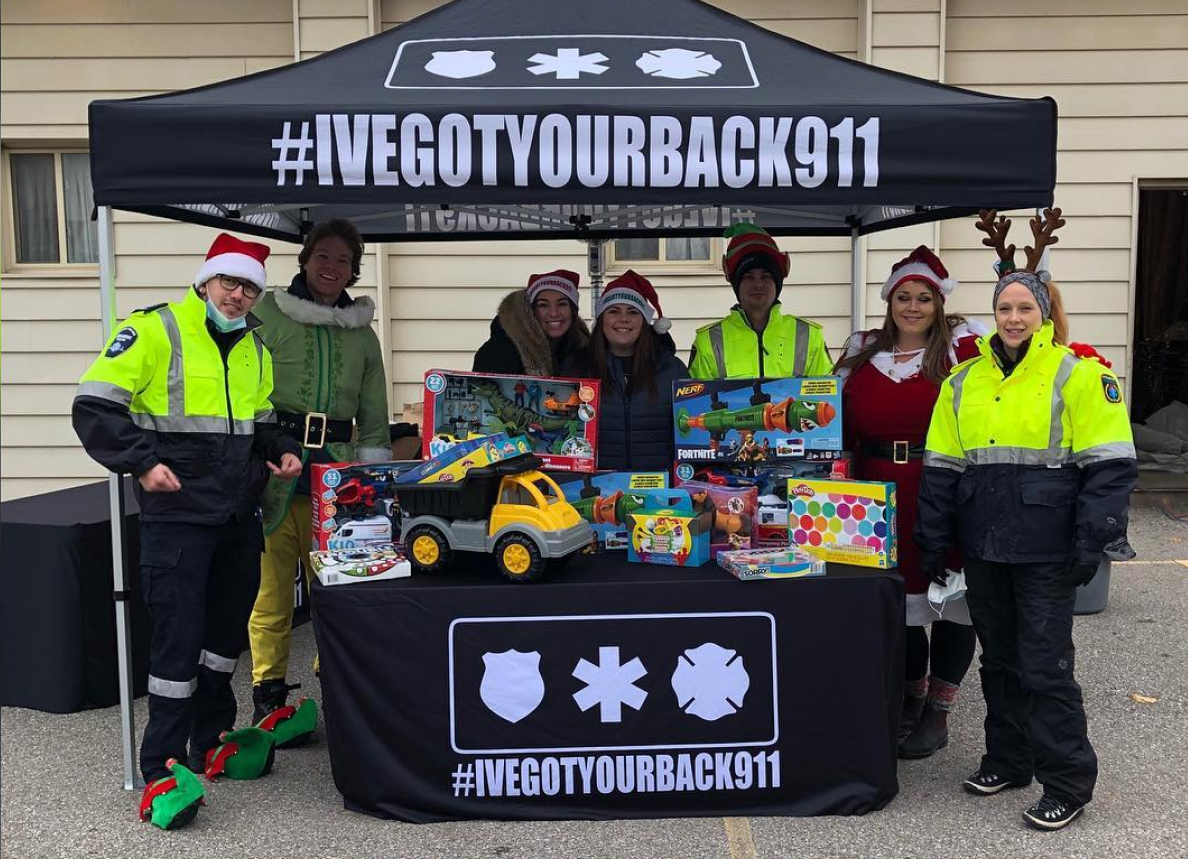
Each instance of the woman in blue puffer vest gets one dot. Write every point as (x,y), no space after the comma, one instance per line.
(631,352)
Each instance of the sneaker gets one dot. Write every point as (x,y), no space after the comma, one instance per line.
(986,783)
(1050,813)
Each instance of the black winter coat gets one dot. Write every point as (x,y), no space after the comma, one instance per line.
(635,433)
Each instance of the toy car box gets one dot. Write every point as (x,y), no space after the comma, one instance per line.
(852,522)
(604,500)
(454,462)
(757,420)
(771,564)
(667,531)
(370,564)
(353,505)
(558,415)
(728,512)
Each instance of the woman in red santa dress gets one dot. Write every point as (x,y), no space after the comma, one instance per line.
(892,379)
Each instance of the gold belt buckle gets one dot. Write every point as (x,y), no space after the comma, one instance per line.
(318,423)
(899,452)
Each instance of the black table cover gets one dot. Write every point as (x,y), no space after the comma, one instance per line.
(612,690)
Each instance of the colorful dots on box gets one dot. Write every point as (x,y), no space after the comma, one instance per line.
(850,522)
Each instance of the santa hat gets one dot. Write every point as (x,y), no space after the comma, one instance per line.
(751,247)
(920,264)
(635,291)
(562,281)
(237,258)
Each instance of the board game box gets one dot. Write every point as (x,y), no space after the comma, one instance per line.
(350,566)
(771,564)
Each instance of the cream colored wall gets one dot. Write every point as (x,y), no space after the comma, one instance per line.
(1123,114)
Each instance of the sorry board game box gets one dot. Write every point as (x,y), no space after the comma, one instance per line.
(757,420)
(771,564)
(851,521)
(606,500)
(559,416)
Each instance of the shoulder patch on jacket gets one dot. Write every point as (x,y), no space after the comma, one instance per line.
(1109,387)
(122,342)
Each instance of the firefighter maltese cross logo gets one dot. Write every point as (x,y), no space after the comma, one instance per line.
(461,64)
(710,682)
(512,686)
(678,64)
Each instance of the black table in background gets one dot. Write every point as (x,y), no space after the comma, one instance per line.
(57,615)
(414,733)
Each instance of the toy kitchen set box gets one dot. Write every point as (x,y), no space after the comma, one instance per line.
(607,501)
(757,420)
(558,415)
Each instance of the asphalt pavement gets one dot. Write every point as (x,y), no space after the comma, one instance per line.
(61,795)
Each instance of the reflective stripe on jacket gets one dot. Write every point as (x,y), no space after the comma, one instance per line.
(730,348)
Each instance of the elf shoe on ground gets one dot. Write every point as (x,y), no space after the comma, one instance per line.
(1049,813)
(909,717)
(291,726)
(929,737)
(985,783)
(172,802)
(244,754)
(269,695)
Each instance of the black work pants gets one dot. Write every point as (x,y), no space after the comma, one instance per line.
(1035,715)
(200,582)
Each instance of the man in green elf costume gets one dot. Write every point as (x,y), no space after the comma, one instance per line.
(330,394)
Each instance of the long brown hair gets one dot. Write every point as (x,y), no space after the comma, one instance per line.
(936,364)
(643,362)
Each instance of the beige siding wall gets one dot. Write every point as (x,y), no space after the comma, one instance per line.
(1119,73)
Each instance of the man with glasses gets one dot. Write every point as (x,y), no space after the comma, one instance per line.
(180,399)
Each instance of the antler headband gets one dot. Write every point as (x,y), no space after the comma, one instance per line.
(996,227)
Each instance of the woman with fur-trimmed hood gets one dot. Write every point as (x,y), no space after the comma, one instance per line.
(330,394)
(537,331)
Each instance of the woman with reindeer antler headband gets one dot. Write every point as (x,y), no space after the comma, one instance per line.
(1028,469)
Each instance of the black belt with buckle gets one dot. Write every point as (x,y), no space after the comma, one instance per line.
(898,452)
(313,429)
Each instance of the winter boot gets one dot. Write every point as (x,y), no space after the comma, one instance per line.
(269,695)
(909,717)
(929,737)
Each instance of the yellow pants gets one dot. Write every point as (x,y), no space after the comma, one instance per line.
(270,628)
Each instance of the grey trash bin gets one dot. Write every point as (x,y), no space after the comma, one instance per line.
(1093,597)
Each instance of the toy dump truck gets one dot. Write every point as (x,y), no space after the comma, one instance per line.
(508,508)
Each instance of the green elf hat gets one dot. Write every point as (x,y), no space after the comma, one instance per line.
(244,754)
(172,802)
(291,726)
(751,247)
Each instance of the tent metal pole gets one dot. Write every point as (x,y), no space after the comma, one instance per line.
(115,487)
(857,283)
(595,268)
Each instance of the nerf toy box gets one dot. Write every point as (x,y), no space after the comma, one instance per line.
(354,505)
(452,463)
(558,416)
(852,522)
(771,564)
(757,420)
(727,512)
(605,501)
(349,566)
(667,531)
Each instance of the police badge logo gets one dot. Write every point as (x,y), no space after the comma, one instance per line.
(122,342)
(1109,386)
(512,686)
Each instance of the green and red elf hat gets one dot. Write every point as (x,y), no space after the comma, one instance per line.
(172,802)
(244,754)
(291,726)
(751,247)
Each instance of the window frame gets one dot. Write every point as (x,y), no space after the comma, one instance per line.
(662,265)
(11,264)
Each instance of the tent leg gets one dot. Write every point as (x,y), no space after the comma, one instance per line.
(857,284)
(115,485)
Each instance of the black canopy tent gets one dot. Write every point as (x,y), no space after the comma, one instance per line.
(507,119)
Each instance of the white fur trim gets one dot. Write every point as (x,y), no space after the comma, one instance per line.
(661,325)
(917,271)
(373,454)
(235,265)
(358,315)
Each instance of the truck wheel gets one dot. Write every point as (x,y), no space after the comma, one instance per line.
(518,558)
(428,550)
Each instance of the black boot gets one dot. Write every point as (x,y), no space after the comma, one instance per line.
(930,736)
(269,695)
(909,716)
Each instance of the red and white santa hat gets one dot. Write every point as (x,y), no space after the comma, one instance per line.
(920,264)
(636,291)
(561,280)
(237,258)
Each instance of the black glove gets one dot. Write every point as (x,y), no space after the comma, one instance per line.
(933,566)
(1082,567)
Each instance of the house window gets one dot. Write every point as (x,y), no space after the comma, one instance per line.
(695,250)
(51,208)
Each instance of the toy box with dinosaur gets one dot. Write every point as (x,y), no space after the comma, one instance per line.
(667,530)
(354,505)
(849,521)
(559,416)
(605,500)
(757,420)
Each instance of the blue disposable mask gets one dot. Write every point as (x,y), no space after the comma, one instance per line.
(221,322)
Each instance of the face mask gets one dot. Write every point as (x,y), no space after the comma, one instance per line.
(940,595)
(221,322)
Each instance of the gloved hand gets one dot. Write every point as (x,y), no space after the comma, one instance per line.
(933,566)
(1082,567)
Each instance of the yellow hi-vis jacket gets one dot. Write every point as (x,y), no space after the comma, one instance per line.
(169,388)
(731,349)
(1030,463)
